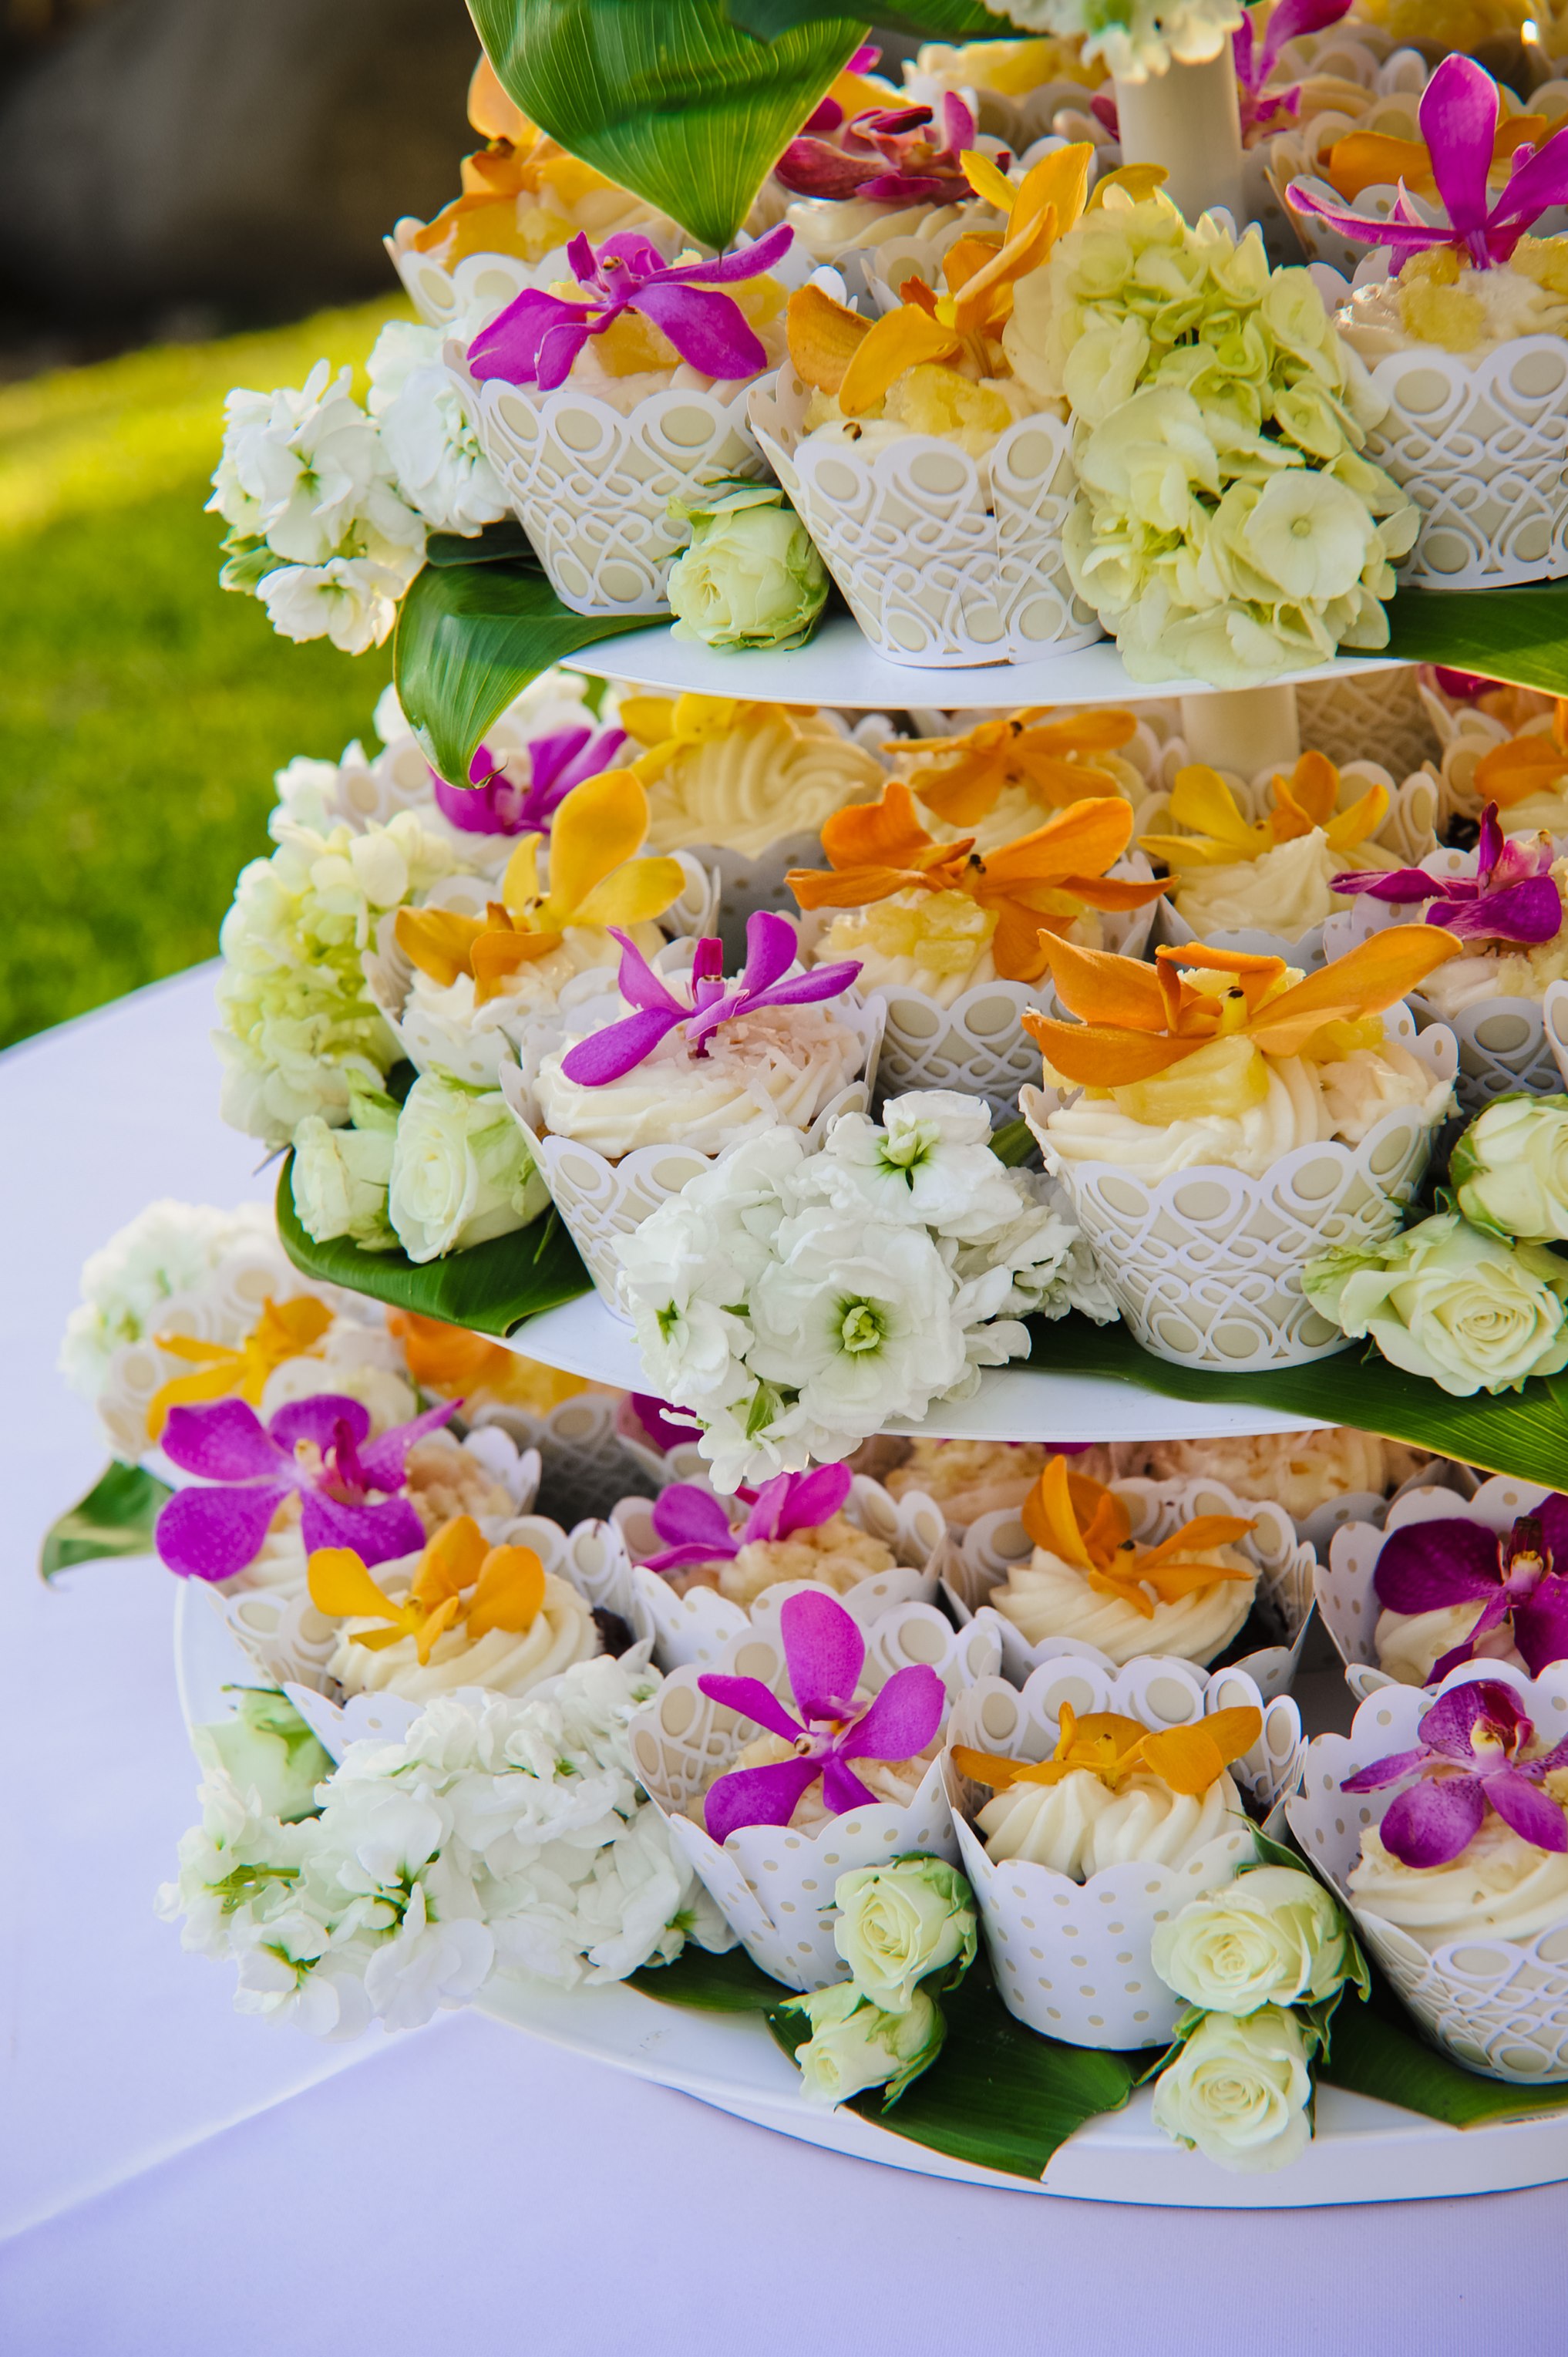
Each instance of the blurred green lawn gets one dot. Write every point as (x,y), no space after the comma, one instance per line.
(142,710)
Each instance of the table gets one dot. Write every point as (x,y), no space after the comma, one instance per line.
(175,2180)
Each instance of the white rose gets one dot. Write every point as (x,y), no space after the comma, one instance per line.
(1238,2091)
(1509,1170)
(1465,1311)
(461,1170)
(339,1177)
(897,1923)
(853,2045)
(1272,1937)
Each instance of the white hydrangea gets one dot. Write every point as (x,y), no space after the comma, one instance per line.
(170,1248)
(499,1835)
(434,454)
(1135,39)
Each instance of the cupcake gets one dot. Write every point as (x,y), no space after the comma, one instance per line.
(934,482)
(1018,88)
(1319,1478)
(1217,1097)
(970,1477)
(886,169)
(1004,775)
(616,390)
(952,940)
(461,1613)
(1523,775)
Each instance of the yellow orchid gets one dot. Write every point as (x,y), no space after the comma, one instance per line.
(460,1577)
(449,1362)
(1510,772)
(838,352)
(595,880)
(963,779)
(286,1330)
(1083,1523)
(1218,835)
(670,726)
(1111,1747)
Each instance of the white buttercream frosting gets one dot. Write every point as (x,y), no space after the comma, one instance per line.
(504,1661)
(1078,1826)
(1298,1471)
(1500,1883)
(1047,1598)
(757,783)
(1286,892)
(1408,1644)
(835,1555)
(1473,316)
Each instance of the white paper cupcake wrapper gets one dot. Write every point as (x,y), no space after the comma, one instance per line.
(1072,1959)
(483,283)
(1286,1564)
(775,1886)
(1554,1028)
(468,1054)
(945,559)
(697,1626)
(660,1467)
(591,488)
(583,1467)
(601,1201)
(1346,1600)
(1206,1264)
(1367,1506)
(1305,950)
(1382,719)
(1498,2006)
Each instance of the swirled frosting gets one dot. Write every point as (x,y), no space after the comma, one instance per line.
(1285,892)
(1299,1471)
(1498,1883)
(937,944)
(1408,1644)
(504,1661)
(826,227)
(1047,1598)
(757,783)
(928,398)
(1079,1825)
(835,1554)
(529,992)
(1460,309)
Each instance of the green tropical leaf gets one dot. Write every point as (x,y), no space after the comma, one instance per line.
(1376,2052)
(666,96)
(1519,635)
(116,1517)
(709,1984)
(491,1288)
(470,637)
(927,20)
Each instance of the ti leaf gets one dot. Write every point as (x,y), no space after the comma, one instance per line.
(709,1984)
(470,637)
(666,96)
(1375,2052)
(116,1517)
(491,1288)
(1519,635)
(927,20)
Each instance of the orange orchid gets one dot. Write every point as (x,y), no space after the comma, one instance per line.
(963,779)
(460,1577)
(595,880)
(1138,1021)
(1510,772)
(286,1330)
(1083,1523)
(1370,159)
(1188,1758)
(450,1363)
(1218,835)
(1039,883)
(520,161)
(838,352)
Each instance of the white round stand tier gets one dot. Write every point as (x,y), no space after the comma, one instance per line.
(1362,2151)
(841,666)
(1012,1403)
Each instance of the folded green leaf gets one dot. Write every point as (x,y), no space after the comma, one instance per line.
(499,543)
(470,637)
(927,20)
(116,1517)
(491,1288)
(1374,2053)
(1519,635)
(666,96)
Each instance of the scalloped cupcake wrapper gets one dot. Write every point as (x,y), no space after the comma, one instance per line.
(1072,1959)
(580,1450)
(1368,1506)
(486,282)
(1206,1264)
(1346,1600)
(1286,1565)
(1305,950)
(592,487)
(1382,719)
(945,560)
(1498,2006)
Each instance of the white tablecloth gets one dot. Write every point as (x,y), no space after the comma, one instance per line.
(178,2181)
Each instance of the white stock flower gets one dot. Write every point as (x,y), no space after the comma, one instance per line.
(928,1164)
(462,1170)
(304,470)
(434,452)
(169,1248)
(1239,2090)
(858,1318)
(352,600)
(1274,1936)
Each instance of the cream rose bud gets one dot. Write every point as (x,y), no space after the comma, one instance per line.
(897,1923)
(1466,1310)
(853,2045)
(461,1170)
(1239,2090)
(752,576)
(268,1752)
(339,1177)
(1272,1937)
(1509,1170)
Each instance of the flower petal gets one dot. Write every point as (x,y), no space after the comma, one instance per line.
(212,1534)
(811,1500)
(1430,1824)
(756,1796)
(686,1515)
(902,1719)
(601,822)
(316,1420)
(826,1654)
(382,1462)
(1532,1814)
(341,1587)
(224,1442)
(900,340)
(708,329)
(843,1789)
(508,1593)
(1365,981)
(1427,1565)
(382,1531)
(1450,1724)
(824,336)
(607,1055)
(1192,1758)
(751,1699)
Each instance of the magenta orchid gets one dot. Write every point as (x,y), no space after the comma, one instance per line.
(1458,120)
(829,115)
(1470,1759)
(894,155)
(318,1451)
(771,945)
(536,338)
(1463,686)
(1512,897)
(825,1653)
(492,803)
(1520,1578)
(667,1427)
(1263,110)
(698,1530)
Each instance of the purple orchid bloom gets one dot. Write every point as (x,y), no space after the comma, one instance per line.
(665,1427)
(894,155)
(491,804)
(829,114)
(1515,1577)
(1255,62)
(1463,686)
(1468,1761)
(1459,119)
(535,339)
(771,945)
(698,1529)
(1512,897)
(254,1467)
(825,1652)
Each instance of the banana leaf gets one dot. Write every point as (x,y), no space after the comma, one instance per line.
(491,1288)
(470,637)
(666,96)
(1519,635)
(115,1518)
(936,20)
(1376,2052)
